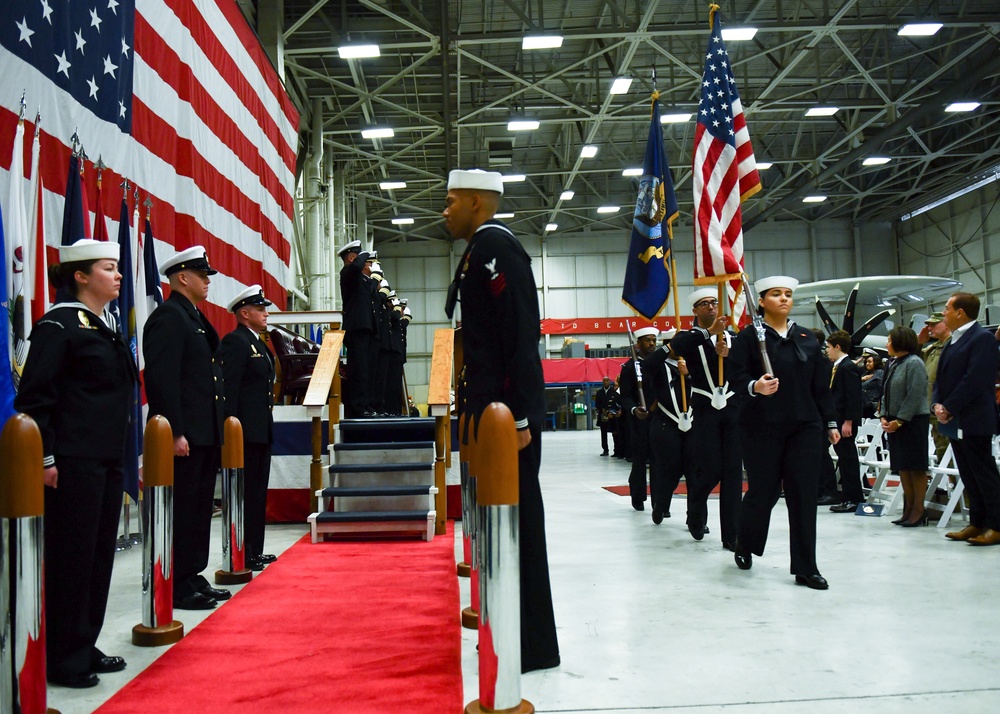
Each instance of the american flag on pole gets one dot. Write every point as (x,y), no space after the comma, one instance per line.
(724,174)
(179,97)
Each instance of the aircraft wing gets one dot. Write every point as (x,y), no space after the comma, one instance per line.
(879,291)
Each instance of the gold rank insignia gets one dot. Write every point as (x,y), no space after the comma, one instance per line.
(255,352)
(84,320)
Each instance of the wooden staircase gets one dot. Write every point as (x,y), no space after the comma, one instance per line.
(381,480)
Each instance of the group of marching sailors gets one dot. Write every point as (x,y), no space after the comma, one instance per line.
(706,402)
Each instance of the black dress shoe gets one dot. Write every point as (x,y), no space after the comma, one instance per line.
(743,558)
(638,505)
(706,530)
(827,500)
(922,521)
(816,582)
(75,681)
(657,516)
(604,453)
(267,558)
(194,601)
(696,529)
(253,563)
(215,593)
(845,507)
(104,665)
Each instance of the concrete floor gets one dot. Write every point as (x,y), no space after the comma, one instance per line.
(652,621)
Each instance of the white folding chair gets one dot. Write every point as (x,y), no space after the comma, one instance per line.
(941,478)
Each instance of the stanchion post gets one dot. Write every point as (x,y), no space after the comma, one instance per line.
(158,625)
(499,566)
(470,615)
(233,542)
(22,506)
(464,567)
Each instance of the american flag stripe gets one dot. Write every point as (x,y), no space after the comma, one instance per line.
(213,143)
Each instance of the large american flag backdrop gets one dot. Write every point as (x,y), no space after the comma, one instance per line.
(177,96)
(724,174)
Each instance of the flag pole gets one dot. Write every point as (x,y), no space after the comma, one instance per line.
(722,312)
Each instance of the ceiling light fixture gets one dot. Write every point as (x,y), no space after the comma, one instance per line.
(608,209)
(503,215)
(814,199)
(358,51)
(632,172)
(621,85)
(549,227)
(589,151)
(951,197)
(675,118)
(378,132)
(513,178)
(541,42)
(522,125)
(962,107)
(402,221)
(738,34)
(764,165)
(876,161)
(822,111)
(391,185)
(567,195)
(919,29)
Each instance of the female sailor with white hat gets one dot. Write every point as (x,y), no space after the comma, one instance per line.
(783,417)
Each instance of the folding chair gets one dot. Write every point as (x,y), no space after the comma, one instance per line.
(940,478)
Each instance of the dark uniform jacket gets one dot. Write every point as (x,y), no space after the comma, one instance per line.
(356,292)
(500,326)
(628,384)
(803,372)
(248,368)
(664,388)
(846,389)
(77,384)
(690,344)
(183,381)
(608,404)
(965,379)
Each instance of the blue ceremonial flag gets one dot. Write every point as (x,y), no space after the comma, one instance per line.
(126,311)
(6,378)
(647,270)
(74,225)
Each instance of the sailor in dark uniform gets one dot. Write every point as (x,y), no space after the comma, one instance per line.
(77,385)
(395,397)
(607,403)
(383,321)
(783,417)
(359,331)
(645,341)
(500,333)
(184,385)
(248,368)
(716,431)
(671,442)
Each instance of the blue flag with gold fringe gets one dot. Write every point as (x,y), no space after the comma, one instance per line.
(6,376)
(647,270)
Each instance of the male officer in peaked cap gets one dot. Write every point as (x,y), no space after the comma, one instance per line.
(184,385)
(356,290)
(500,334)
(248,367)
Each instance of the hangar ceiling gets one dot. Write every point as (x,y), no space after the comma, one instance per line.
(452,73)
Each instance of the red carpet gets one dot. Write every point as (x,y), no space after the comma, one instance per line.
(681,489)
(356,627)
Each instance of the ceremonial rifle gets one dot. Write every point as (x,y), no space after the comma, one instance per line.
(758,326)
(638,366)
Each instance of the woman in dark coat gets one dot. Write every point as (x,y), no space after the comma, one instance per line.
(783,418)
(77,386)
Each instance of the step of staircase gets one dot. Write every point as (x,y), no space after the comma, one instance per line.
(367,452)
(354,431)
(383,491)
(380,468)
(354,522)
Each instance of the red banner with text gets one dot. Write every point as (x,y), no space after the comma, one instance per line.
(608,325)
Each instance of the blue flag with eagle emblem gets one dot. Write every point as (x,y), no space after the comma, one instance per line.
(647,270)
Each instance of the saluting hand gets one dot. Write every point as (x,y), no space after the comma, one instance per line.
(50,477)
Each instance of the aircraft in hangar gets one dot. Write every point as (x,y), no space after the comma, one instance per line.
(874,300)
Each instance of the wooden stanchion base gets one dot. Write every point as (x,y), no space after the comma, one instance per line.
(143,636)
(52,711)
(525,707)
(463,569)
(237,577)
(470,619)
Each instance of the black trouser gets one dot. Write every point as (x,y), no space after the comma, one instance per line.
(783,455)
(608,427)
(394,398)
(362,355)
(380,378)
(671,455)
(978,470)
(827,471)
(640,457)
(194,490)
(716,435)
(849,467)
(81,522)
(539,644)
(256,473)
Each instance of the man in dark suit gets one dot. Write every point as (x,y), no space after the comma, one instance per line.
(845,384)
(645,342)
(500,336)
(359,330)
(248,367)
(184,385)
(608,405)
(966,411)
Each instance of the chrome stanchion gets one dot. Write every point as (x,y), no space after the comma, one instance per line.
(158,624)
(22,505)
(470,615)
(233,543)
(495,458)
(128,538)
(464,568)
